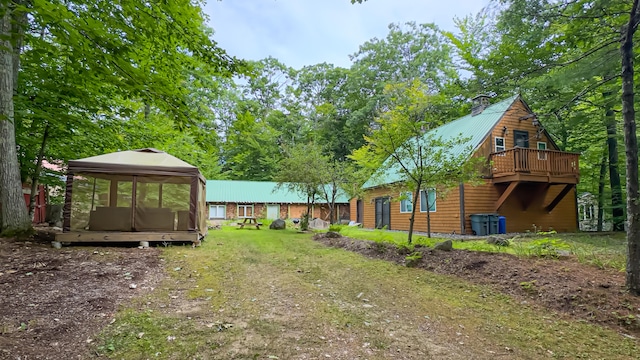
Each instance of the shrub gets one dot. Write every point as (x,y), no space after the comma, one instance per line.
(404,249)
(414,259)
(304,222)
(380,247)
(336,227)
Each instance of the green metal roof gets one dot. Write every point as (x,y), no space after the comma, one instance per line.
(475,128)
(240,191)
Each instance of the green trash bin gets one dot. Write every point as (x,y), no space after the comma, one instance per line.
(480,224)
(493,220)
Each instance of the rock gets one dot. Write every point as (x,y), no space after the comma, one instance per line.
(278,224)
(332,235)
(497,240)
(444,246)
(318,224)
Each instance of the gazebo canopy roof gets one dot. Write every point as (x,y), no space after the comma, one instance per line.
(134,162)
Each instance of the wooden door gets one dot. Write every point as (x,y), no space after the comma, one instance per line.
(359,212)
(273,211)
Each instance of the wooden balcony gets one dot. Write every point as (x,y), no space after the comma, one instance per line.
(532,165)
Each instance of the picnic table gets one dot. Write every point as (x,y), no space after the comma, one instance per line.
(249,221)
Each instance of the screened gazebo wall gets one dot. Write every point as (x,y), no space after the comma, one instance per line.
(143,193)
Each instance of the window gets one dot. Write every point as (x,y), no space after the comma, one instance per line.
(521,138)
(245,211)
(406,204)
(428,197)
(541,154)
(217,211)
(587,212)
(499,142)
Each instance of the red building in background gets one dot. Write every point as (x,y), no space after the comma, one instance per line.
(40,211)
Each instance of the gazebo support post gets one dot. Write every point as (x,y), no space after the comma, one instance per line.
(134,191)
(66,210)
(113,193)
(193,201)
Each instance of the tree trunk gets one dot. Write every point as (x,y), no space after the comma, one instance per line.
(412,219)
(35,177)
(14,212)
(428,216)
(335,217)
(19,23)
(601,184)
(631,148)
(617,206)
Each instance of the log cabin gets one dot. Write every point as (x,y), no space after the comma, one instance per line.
(527,178)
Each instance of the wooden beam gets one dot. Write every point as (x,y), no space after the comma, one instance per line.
(540,191)
(559,198)
(505,195)
(115,236)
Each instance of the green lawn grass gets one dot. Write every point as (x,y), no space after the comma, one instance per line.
(263,294)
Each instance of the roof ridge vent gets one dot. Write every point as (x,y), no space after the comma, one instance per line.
(480,102)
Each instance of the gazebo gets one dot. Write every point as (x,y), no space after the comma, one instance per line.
(137,195)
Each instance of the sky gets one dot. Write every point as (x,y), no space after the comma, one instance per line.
(309,32)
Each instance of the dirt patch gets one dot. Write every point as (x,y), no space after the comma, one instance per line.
(52,302)
(562,285)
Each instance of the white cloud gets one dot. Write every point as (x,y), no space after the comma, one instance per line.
(307,32)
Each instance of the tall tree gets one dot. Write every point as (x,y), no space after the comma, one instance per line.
(402,147)
(631,146)
(13,213)
(302,171)
(136,50)
(575,43)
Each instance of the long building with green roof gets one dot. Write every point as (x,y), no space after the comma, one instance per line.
(232,199)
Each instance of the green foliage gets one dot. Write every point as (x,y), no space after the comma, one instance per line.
(413,259)
(99,77)
(529,286)
(541,247)
(304,222)
(404,249)
(249,150)
(336,227)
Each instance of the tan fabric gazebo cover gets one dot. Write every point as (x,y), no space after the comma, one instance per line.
(143,166)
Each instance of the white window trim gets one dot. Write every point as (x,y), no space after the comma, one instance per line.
(541,155)
(245,206)
(224,211)
(409,199)
(495,144)
(435,207)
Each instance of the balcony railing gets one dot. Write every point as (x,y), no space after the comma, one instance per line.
(534,162)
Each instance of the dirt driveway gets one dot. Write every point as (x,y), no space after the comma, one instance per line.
(260,294)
